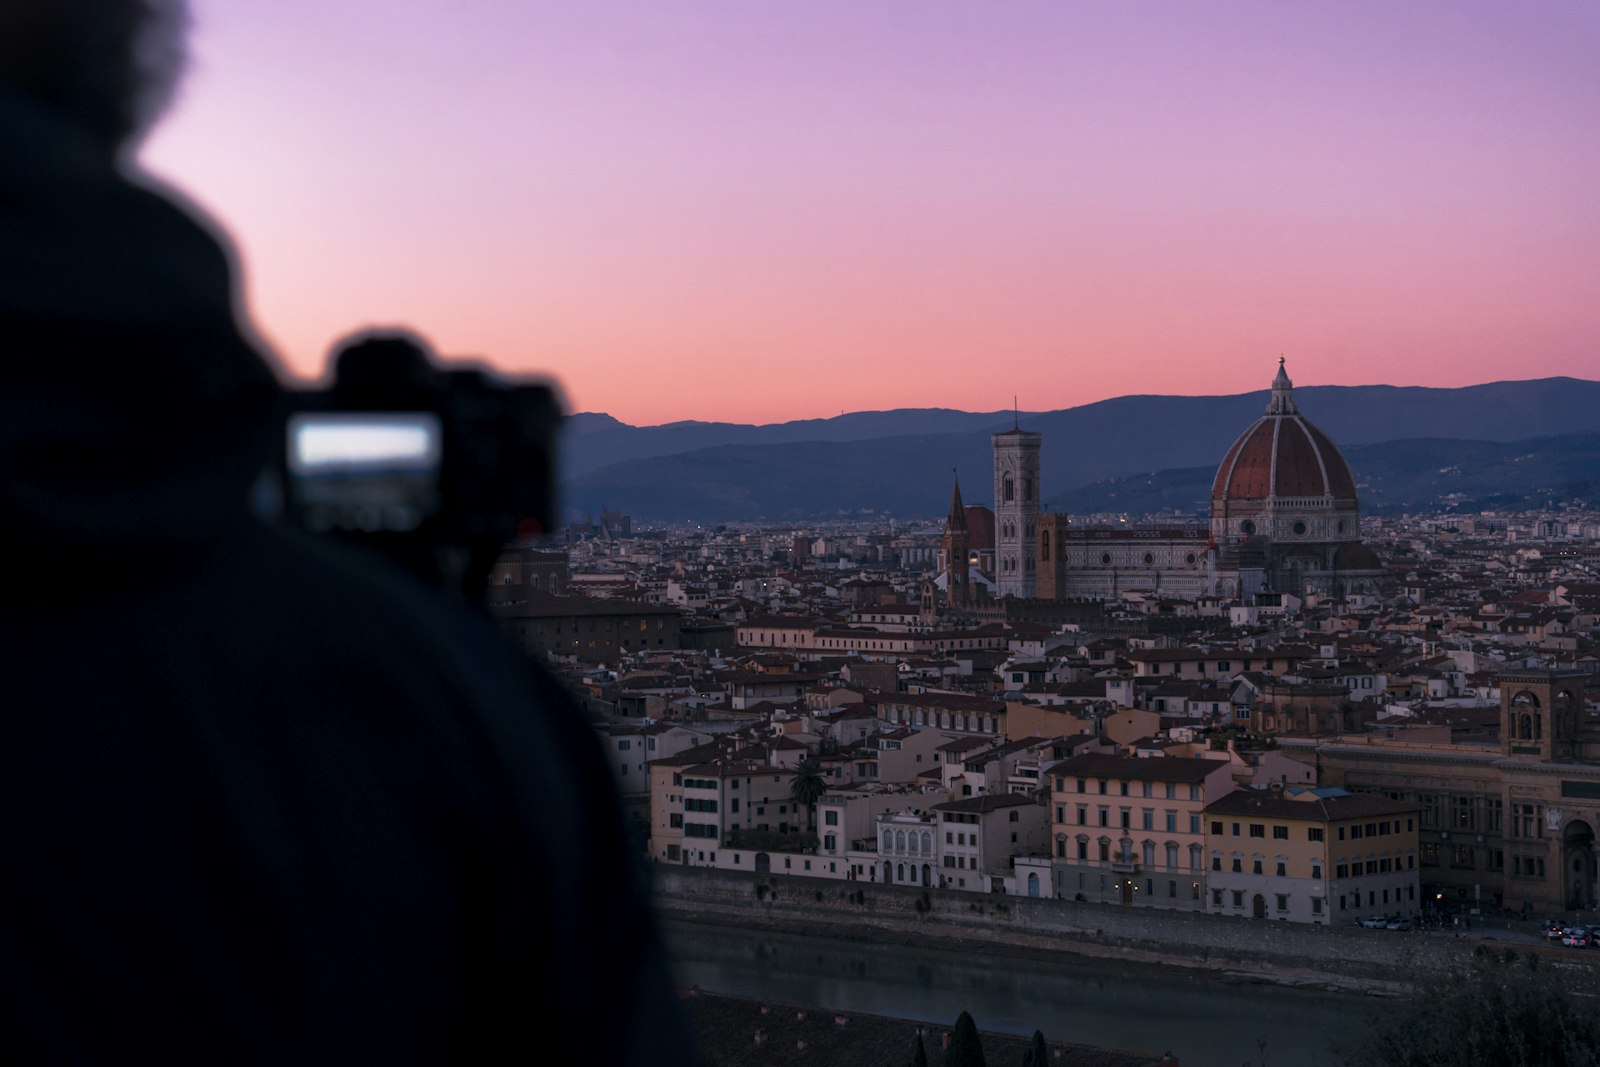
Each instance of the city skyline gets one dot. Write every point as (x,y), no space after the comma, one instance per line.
(759,214)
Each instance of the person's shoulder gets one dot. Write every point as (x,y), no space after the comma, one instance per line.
(339,600)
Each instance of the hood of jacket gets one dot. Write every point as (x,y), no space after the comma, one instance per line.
(134,414)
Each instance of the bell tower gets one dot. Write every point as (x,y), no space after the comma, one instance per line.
(1016,511)
(957,546)
(1540,713)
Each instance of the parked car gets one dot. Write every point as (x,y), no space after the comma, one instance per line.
(1376,922)
(1577,937)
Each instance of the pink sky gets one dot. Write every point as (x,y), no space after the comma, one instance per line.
(759,211)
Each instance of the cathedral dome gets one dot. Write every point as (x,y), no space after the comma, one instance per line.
(1281,455)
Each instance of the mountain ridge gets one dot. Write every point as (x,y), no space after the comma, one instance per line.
(868,462)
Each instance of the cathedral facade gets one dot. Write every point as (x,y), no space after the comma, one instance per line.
(1284,517)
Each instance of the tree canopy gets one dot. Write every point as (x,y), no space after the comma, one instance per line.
(966,1046)
(807,786)
(1508,1010)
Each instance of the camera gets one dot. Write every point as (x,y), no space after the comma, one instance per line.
(434,466)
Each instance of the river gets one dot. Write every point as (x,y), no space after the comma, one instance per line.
(1205,1022)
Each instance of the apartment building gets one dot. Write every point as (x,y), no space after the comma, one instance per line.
(1311,855)
(1130,830)
(977,838)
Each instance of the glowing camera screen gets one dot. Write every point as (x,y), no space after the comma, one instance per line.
(365,471)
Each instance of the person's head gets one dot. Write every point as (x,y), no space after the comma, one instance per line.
(110,66)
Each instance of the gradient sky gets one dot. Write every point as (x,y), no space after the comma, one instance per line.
(762,210)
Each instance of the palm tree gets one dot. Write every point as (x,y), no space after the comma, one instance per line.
(807,787)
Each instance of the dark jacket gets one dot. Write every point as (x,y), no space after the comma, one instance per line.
(262,800)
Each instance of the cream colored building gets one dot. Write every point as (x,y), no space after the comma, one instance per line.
(1130,830)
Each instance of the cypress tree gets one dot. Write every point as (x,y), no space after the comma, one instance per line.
(919,1055)
(966,1047)
(1036,1055)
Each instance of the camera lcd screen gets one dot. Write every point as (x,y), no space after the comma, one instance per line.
(364,471)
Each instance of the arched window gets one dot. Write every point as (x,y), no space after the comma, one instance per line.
(1008,490)
(1044,544)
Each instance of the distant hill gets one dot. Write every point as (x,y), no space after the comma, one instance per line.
(1395,476)
(899,462)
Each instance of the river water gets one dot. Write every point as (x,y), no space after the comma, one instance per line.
(1205,1022)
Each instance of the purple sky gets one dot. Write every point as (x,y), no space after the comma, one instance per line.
(764,210)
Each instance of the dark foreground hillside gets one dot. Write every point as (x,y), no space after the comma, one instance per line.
(734,1032)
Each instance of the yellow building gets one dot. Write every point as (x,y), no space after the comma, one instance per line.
(1311,855)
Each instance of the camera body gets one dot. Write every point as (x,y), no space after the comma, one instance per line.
(435,467)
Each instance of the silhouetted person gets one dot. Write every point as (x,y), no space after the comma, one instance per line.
(263,800)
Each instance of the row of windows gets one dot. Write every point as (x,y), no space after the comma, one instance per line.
(916,842)
(1375,897)
(1168,790)
(1464,857)
(1125,852)
(1379,865)
(1527,866)
(1280,866)
(1356,832)
(1460,811)
(1223,667)
(969,722)
(700,829)
(1147,818)
(1281,900)
(711,783)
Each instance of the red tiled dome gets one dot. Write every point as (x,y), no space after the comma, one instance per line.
(1282,455)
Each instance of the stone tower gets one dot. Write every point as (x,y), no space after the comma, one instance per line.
(1541,713)
(957,545)
(1016,511)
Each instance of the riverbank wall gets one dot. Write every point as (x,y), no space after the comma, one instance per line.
(1348,958)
